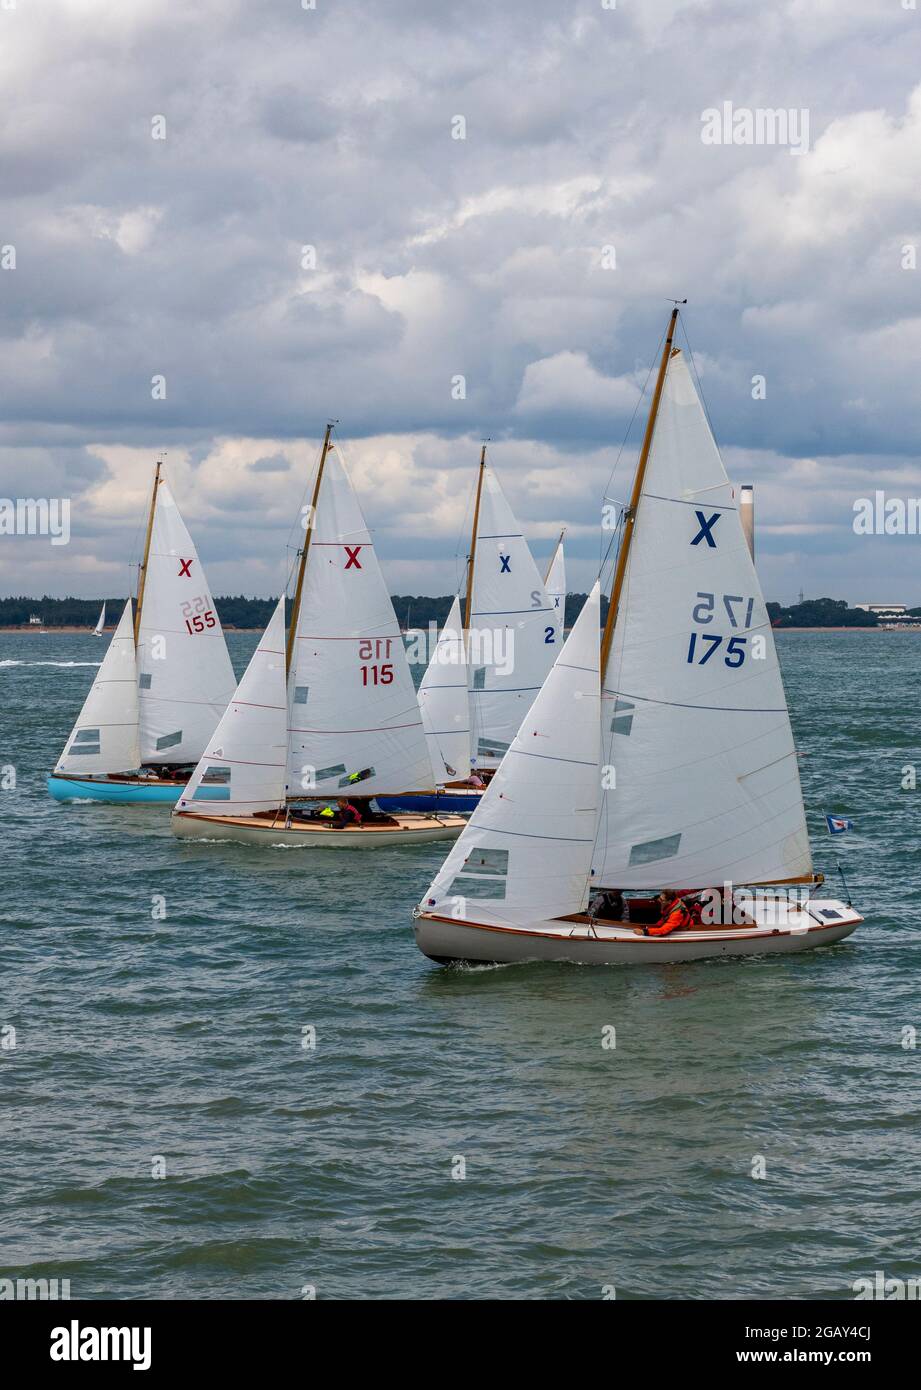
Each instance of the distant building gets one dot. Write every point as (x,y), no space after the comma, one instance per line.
(34,620)
(883,607)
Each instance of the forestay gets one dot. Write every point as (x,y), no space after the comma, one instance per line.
(354,720)
(695,727)
(105,736)
(244,764)
(443,702)
(184,671)
(512,639)
(526,851)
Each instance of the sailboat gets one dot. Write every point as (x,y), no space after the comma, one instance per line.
(555,584)
(511,636)
(138,747)
(509,639)
(97,630)
(330,714)
(445,708)
(663,761)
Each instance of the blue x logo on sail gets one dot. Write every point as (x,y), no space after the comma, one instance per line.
(706,529)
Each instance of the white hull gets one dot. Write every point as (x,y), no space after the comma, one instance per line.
(580,942)
(409,830)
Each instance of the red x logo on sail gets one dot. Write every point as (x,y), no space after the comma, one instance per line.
(185,568)
(352,552)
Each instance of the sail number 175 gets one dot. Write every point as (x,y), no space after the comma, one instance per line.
(703,645)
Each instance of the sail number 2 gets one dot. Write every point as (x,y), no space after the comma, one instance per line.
(374,650)
(703,645)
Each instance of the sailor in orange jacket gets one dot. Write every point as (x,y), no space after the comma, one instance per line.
(674,916)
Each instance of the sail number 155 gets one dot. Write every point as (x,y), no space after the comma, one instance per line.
(197,615)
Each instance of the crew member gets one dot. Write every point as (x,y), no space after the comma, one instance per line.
(674,916)
(346,814)
(609,906)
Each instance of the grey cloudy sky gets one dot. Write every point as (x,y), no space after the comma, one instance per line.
(331,127)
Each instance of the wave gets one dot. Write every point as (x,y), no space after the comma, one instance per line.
(50,663)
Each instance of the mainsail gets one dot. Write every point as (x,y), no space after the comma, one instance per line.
(443,702)
(97,630)
(354,720)
(184,671)
(555,584)
(526,851)
(243,766)
(105,736)
(705,786)
(512,639)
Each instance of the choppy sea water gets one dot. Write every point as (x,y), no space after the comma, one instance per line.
(144,1043)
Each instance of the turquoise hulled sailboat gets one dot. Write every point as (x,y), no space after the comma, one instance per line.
(164,682)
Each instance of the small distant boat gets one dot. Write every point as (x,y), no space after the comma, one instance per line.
(332,714)
(163,684)
(97,630)
(555,584)
(663,761)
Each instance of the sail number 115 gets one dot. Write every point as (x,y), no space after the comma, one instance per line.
(373,650)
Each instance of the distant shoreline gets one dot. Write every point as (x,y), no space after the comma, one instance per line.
(107,631)
(88,631)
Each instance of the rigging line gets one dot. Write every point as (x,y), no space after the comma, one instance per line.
(642,396)
(297,530)
(700,389)
(461,548)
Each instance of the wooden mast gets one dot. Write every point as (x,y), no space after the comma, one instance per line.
(472,555)
(142,571)
(298,588)
(630,514)
(554,555)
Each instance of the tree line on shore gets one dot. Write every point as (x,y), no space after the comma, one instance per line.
(234,611)
(412,610)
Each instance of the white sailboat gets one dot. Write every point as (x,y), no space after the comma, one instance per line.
(333,716)
(555,584)
(181,670)
(97,630)
(106,732)
(445,707)
(664,762)
(512,638)
(444,704)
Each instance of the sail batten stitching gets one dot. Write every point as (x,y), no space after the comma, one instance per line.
(717,506)
(679,704)
(555,758)
(525,835)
